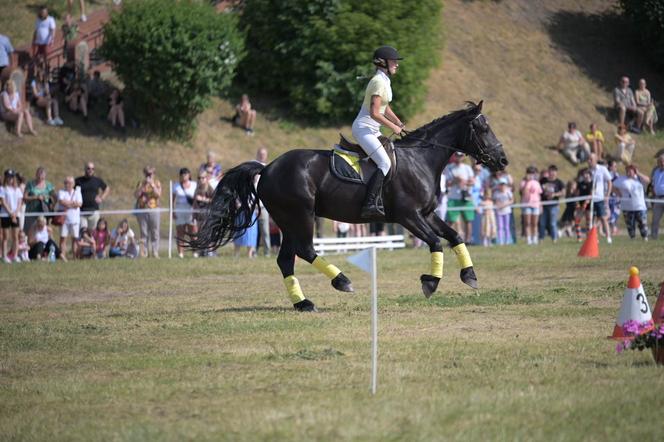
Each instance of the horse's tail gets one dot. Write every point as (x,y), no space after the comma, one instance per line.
(231,211)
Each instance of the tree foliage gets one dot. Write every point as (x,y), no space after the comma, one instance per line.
(313,51)
(172,55)
(648,18)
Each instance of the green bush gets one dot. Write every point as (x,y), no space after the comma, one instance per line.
(312,51)
(648,18)
(172,56)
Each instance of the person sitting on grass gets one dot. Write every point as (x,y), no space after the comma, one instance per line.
(245,116)
(116,114)
(86,244)
(12,110)
(76,98)
(41,94)
(40,240)
(572,145)
(646,104)
(123,241)
(595,139)
(625,103)
(625,145)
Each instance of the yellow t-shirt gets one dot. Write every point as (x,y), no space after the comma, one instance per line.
(598,135)
(378,85)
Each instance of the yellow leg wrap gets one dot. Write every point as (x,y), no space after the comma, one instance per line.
(463,256)
(293,288)
(437,264)
(327,269)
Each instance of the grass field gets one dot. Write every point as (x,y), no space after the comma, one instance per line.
(210,349)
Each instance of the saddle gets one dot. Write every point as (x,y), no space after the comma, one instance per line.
(356,166)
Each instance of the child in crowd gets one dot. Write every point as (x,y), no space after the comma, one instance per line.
(584,184)
(23,247)
(567,220)
(102,238)
(531,196)
(123,241)
(503,200)
(488,219)
(86,244)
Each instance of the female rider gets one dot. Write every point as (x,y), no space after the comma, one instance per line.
(375,112)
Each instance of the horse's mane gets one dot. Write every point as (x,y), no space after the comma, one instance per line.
(418,134)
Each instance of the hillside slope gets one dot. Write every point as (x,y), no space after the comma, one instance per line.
(537,65)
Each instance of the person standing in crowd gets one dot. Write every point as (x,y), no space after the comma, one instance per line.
(81,4)
(11,199)
(584,188)
(489,231)
(12,110)
(94,191)
(625,102)
(567,220)
(264,217)
(657,177)
(460,178)
(70,202)
(39,197)
(102,238)
(147,194)
(480,182)
(44,33)
(602,181)
(40,240)
(503,200)
(6,50)
(552,189)
(631,189)
(441,195)
(595,138)
(614,201)
(183,200)
(213,169)
(202,200)
(531,192)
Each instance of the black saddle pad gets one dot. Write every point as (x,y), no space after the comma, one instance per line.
(346,166)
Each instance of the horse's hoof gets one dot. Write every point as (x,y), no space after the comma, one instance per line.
(429,284)
(468,277)
(342,283)
(305,306)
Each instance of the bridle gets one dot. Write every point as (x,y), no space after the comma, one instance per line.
(470,138)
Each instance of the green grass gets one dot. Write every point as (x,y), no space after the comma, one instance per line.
(210,349)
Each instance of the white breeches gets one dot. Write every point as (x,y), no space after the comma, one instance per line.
(368,139)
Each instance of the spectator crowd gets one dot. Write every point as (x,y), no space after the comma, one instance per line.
(43,222)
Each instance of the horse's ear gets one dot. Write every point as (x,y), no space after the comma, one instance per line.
(479,106)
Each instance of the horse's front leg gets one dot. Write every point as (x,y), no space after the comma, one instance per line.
(443,229)
(422,229)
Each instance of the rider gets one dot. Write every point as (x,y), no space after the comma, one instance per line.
(375,112)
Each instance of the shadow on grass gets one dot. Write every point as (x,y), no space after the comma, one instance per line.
(605,47)
(480,298)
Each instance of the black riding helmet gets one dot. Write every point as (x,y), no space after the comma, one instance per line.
(384,53)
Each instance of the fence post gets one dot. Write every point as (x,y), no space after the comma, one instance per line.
(170,219)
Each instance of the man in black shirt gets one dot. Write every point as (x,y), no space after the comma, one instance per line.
(552,189)
(94,190)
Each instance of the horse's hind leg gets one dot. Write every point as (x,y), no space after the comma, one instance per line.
(467,273)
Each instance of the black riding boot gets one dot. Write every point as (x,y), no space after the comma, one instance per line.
(373,204)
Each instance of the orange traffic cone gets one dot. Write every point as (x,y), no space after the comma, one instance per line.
(634,305)
(658,313)
(590,248)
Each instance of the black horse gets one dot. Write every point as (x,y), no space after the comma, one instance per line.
(299,185)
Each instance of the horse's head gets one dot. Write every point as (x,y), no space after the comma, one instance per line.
(481,143)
